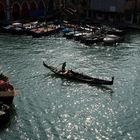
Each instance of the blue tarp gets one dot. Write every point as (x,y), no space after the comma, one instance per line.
(66,30)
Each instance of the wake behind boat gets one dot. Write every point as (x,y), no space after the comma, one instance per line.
(70,74)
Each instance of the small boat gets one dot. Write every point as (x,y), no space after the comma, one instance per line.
(111,39)
(7,91)
(70,74)
(115,31)
(66,30)
(38,32)
(92,40)
(69,35)
(77,36)
(4,113)
(109,30)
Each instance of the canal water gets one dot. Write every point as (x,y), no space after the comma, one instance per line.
(50,108)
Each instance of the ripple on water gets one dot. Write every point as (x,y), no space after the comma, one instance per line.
(48,107)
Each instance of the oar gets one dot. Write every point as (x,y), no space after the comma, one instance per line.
(58,65)
(55,67)
(48,67)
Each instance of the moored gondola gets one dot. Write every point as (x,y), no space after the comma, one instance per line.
(7,91)
(4,113)
(70,74)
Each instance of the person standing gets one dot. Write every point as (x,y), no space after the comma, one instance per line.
(63,66)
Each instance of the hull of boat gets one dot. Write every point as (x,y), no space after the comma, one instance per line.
(80,77)
(47,33)
(93,81)
(7,97)
(4,114)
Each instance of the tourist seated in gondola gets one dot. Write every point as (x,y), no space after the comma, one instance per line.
(68,72)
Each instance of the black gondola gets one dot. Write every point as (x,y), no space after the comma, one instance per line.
(7,91)
(92,40)
(4,113)
(69,74)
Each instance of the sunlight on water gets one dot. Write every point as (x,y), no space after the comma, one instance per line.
(48,107)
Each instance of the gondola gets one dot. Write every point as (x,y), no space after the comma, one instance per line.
(76,76)
(38,32)
(4,113)
(111,39)
(92,40)
(7,91)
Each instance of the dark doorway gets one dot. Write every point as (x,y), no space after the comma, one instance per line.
(50,6)
(2,12)
(41,8)
(33,10)
(24,10)
(16,11)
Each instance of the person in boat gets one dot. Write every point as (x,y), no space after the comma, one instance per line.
(68,72)
(63,67)
(64,71)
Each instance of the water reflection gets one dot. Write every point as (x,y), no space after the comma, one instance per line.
(56,108)
(70,82)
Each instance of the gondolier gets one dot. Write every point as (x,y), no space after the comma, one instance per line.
(63,67)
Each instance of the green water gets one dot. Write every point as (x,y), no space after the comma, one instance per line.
(50,108)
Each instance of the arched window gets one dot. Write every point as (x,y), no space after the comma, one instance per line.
(16,11)
(2,12)
(24,10)
(41,5)
(41,8)
(51,6)
(33,6)
(33,9)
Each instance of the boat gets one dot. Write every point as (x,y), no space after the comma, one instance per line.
(76,76)
(43,31)
(7,91)
(4,113)
(69,35)
(77,36)
(111,39)
(92,40)
(109,30)
(66,30)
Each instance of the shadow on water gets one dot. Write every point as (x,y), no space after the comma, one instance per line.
(9,118)
(104,88)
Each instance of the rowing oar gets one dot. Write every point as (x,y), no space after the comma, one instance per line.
(58,65)
(47,66)
(55,67)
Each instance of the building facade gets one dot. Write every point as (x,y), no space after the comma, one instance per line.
(19,9)
(108,10)
(79,6)
(127,11)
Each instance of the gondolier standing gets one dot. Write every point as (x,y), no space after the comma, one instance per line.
(63,66)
